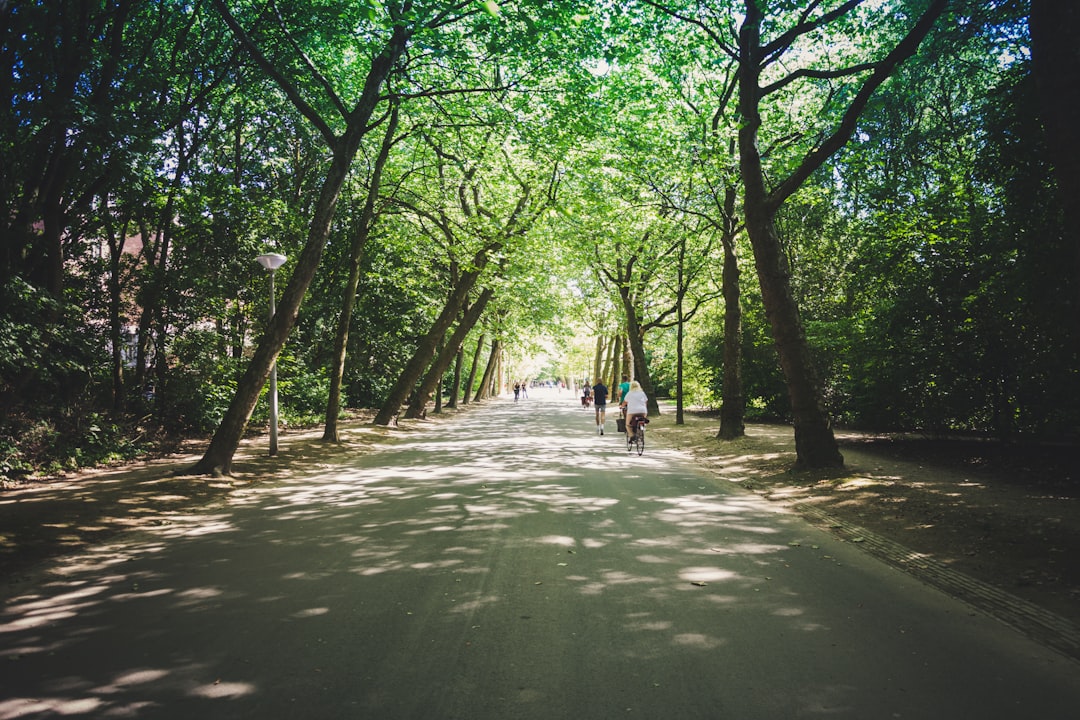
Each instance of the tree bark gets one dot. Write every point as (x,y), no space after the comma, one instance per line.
(733,403)
(619,367)
(455,392)
(637,348)
(484,391)
(598,360)
(470,382)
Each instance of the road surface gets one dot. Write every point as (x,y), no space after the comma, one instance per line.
(507,564)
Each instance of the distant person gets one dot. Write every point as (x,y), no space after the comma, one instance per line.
(624,387)
(517,391)
(636,405)
(600,393)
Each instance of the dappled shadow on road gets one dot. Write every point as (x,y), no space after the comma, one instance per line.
(487,566)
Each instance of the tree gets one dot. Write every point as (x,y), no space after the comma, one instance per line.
(814,440)
(363,230)
(404,21)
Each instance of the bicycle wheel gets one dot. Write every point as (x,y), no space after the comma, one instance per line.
(639,439)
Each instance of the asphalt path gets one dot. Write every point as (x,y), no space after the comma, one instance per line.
(509,563)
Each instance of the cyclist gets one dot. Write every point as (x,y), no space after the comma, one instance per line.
(636,404)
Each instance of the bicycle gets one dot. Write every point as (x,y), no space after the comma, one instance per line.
(636,440)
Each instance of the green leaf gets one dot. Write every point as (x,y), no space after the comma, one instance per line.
(490,6)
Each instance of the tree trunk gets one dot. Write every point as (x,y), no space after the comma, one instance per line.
(484,391)
(619,367)
(438,383)
(348,302)
(219,455)
(637,349)
(733,403)
(455,392)
(471,381)
(598,360)
(680,320)
(435,373)
(815,443)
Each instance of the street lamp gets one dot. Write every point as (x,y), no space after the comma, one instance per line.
(272,261)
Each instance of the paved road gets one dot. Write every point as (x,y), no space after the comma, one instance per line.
(485,569)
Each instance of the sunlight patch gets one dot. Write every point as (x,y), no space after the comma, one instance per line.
(561,540)
(138,677)
(219,689)
(707,574)
(697,640)
(311,612)
(23,707)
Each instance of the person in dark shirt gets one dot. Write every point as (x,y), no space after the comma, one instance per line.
(600,393)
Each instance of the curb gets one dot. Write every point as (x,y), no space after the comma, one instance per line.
(1036,622)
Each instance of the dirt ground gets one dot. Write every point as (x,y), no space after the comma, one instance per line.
(1009,517)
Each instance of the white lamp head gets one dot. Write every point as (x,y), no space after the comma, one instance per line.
(271,261)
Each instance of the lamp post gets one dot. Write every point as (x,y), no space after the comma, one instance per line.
(272,261)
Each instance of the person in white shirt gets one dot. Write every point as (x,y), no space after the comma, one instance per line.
(636,404)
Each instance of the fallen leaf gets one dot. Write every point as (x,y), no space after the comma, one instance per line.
(697,582)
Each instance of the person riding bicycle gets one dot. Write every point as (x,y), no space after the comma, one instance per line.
(636,404)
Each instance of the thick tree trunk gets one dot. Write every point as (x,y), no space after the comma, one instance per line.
(815,443)
(733,403)
(348,302)
(219,455)
(438,368)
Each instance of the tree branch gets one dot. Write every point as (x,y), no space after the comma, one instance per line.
(816,75)
(320,79)
(817,157)
(270,69)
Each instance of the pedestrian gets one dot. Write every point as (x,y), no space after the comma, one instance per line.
(636,405)
(517,391)
(600,393)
